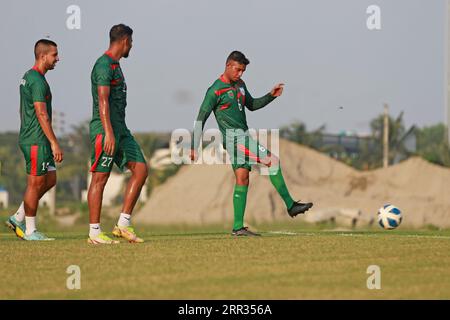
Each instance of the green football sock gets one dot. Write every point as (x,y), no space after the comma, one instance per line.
(239,202)
(276,177)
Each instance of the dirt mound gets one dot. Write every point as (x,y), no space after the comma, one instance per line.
(202,194)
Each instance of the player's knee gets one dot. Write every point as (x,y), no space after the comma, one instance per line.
(37,183)
(243,180)
(100,180)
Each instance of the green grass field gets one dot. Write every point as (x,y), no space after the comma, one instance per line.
(288,262)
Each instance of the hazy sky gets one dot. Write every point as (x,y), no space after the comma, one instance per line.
(321,49)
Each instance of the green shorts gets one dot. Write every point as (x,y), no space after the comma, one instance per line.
(244,151)
(38,159)
(126,150)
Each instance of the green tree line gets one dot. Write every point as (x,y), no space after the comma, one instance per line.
(431,144)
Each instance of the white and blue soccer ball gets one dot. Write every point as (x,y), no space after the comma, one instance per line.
(389,217)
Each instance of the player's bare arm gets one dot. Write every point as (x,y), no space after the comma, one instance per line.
(46,125)
(103,97)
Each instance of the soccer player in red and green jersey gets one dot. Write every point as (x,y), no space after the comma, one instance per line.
(37,140)
(112,141)
(228,98)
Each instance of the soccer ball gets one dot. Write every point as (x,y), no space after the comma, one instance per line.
(389,217)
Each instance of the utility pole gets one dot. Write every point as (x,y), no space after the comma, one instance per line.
(386,137)
(447,69)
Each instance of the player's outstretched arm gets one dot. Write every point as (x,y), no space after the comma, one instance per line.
(103,105)
(46,125)
(253,104)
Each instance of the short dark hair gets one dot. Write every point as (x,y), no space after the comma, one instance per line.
(238,57)
(41,46)
(119,31)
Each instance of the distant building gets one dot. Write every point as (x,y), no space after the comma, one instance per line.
(340,145)
(4,198)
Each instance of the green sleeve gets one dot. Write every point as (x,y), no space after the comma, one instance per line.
(208,105)
(38,90)
(253,104)
(103,74)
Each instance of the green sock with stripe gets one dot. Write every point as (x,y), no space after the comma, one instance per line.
(276,177)
(239,202)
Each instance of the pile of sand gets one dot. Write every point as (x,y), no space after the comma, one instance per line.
(202,194)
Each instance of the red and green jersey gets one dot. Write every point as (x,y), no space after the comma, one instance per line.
(33,88)
(107,72)
(228,102)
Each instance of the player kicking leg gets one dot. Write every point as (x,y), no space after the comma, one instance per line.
(249,152)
